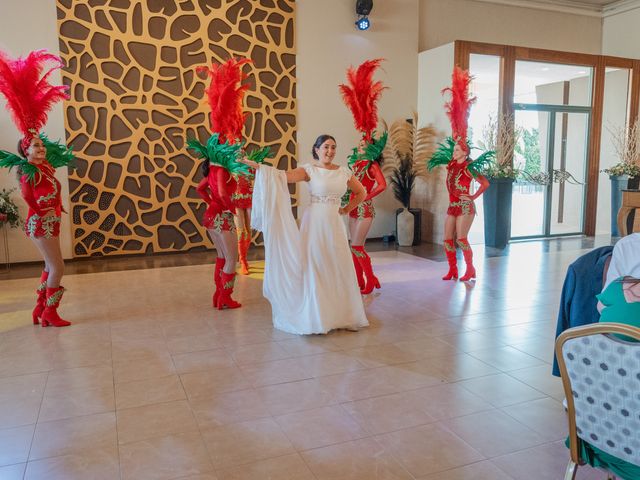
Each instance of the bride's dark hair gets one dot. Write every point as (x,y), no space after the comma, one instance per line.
(319,141)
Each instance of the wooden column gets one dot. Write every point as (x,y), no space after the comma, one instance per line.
(634,97)
(507,89)
(461,54)
(593,162)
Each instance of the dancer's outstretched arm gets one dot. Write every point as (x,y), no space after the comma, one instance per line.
(381,182)
(357,197)
(293,176)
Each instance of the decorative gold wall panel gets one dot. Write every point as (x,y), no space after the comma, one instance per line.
(135,97)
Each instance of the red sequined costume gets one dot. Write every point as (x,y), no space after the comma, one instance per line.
(42,196)
(460,174)
(361,94)
(242,196)
(24,83)
(459,183)
(370,176)
(217,190)
(242,199)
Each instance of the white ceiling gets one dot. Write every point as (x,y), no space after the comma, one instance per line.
(600,3)
(585,7)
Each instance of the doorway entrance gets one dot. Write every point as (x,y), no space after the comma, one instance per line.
(550,194)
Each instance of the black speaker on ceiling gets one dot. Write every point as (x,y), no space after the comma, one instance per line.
(364,7)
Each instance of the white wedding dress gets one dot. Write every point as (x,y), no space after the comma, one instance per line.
(309,277)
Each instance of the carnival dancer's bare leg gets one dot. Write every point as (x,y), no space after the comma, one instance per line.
(227,244)
(54,265)
(450,247)
(359,229)
(463,225)
(242,220)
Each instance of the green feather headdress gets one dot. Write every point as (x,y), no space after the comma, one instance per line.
(444,154)
(224,155)
(372,150)
(58,155)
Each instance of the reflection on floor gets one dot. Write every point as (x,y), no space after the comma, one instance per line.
(451,381)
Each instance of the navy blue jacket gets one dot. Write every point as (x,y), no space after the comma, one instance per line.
(578,303)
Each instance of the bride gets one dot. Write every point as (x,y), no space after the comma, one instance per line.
(309,279)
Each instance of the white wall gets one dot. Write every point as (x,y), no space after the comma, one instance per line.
(443,21)
(614,115)
(621,35)
(327,44)
(24,26)
(434,74)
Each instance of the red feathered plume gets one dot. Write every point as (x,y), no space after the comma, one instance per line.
(459,106)
(225,94)
(29,94)
(361,96)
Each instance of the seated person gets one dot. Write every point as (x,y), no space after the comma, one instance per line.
(625,260)
(620,302)
(578,303)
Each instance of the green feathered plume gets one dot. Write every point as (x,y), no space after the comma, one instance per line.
(11,160)
(374,149)
(260,154)
(371,150)
(354,157)
(443,154)
(224,155)
(479,165)
(58,154)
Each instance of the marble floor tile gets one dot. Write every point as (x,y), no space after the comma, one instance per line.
(151,382)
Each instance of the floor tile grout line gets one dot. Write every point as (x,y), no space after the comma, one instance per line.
(35,427)
(115,405)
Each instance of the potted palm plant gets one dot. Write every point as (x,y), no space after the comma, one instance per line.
(626,173)
(405,158)
(501,136)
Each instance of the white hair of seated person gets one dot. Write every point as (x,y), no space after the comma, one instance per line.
(625,260)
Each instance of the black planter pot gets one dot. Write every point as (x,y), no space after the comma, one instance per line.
(618,183)
(417,224)
(633,183)
(497,212)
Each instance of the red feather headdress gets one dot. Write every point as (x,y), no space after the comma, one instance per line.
(225,94)
(361,96)
(29,94)
(459,106)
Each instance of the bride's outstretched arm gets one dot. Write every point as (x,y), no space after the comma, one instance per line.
(357,197)
(297,175)
(293,176)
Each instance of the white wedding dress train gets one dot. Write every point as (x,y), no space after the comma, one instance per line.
(309,277)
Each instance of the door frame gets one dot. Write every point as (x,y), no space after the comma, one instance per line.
(553,110)
(509,54)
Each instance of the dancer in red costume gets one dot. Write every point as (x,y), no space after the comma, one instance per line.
(219,167)
(461,171)
(29,98)
(361,97)
(242,198)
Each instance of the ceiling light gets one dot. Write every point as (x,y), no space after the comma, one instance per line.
(363,9)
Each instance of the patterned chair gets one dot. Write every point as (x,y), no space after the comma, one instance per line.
(601,377)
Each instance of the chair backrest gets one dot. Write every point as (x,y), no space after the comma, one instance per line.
(601,377)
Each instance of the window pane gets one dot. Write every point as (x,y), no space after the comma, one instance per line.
(552,84)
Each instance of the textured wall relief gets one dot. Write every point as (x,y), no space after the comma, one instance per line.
(135,97)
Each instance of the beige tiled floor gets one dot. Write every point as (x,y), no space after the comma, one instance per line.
(451,381)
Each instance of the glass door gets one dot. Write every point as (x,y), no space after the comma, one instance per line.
(549,195)
(567,187)
(529,199)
